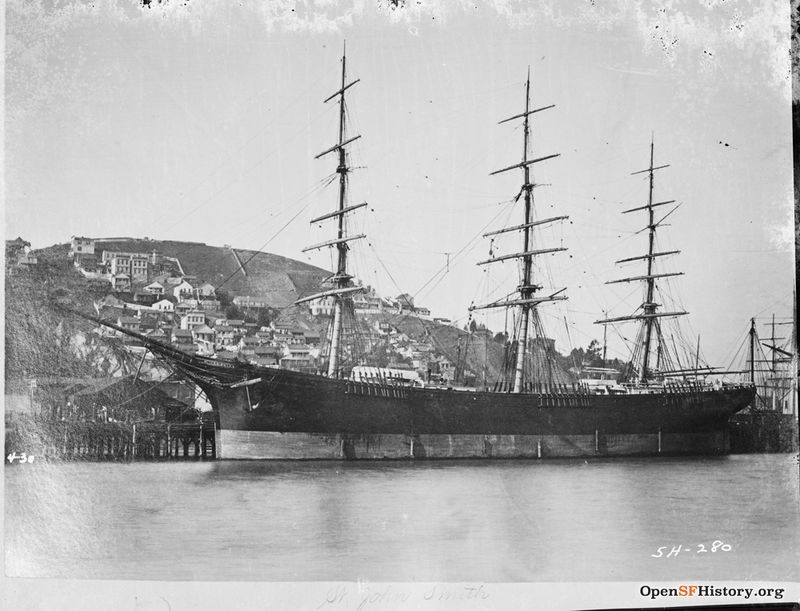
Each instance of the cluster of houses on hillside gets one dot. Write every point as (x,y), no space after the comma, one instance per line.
(149,275)
(369,302)
(209,333)
(150,294)
(289,344)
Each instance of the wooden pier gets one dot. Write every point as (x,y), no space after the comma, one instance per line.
(113,441)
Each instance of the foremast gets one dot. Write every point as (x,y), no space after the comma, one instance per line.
(527,299)
(649,316)
(341,280)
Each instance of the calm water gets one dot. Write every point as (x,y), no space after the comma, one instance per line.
(504,521)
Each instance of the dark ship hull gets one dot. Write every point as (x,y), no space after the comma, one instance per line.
(277,413)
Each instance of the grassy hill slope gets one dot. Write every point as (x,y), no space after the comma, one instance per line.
(271,278)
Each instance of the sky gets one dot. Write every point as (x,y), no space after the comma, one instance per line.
(200,121)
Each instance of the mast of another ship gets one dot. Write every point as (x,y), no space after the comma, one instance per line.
(649,314)
(341,279)
(526,288)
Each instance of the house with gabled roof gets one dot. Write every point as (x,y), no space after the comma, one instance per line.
(157,334)
(80,245)
(121,282)
(183,291)
(130,323)
(156,288)
(206,290)
(226,336)
(165,305)
(203,333)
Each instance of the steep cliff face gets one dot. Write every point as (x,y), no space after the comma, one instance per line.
(40,341)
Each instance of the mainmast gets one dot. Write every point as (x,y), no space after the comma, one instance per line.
(649,308)
(526,289)
(341,280)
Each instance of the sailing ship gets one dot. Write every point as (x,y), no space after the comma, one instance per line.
(774,375)
(343,414)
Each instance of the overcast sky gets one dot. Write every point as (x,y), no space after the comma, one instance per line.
(200,122)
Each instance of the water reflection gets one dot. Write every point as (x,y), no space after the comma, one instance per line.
(511,520)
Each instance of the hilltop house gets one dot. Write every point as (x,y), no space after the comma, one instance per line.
(129,263)
(121,283)
(156,288)
(183,291)
(18,252)
(423,312)
(15,248)
(81,246)
(206,290)
(165,305)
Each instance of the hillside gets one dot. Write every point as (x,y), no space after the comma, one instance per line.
(42,341)
(276,280)
(478,352)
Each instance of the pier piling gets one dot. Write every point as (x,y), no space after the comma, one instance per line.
(112,441)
